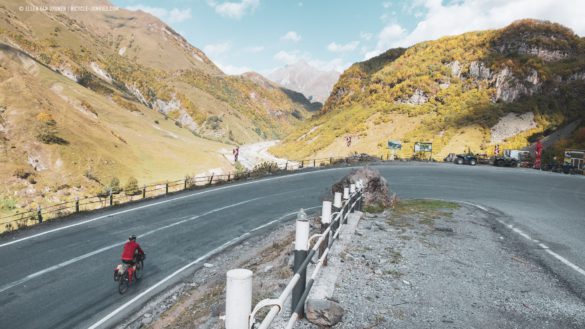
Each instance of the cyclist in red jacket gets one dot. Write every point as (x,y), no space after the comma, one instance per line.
(132,251)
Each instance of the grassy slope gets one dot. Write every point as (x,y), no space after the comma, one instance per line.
(106,140)
(460,109)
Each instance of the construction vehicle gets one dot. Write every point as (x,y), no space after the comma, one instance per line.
(512,158)
(469,159)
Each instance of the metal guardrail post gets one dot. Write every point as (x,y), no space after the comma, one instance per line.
(144,192)
(185,186)
(76,204)
(111,198)
(229,176)
(314,163)
(40,214)
(325,222)
(211,179)
(167,187)
(301,250)
(286,166)
(238,298)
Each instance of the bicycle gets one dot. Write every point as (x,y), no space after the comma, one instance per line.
(124,274)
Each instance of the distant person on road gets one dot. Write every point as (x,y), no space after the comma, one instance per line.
(236,152)
(131,251)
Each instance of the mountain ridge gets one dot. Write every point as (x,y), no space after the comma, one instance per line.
(315,84)
(452,87)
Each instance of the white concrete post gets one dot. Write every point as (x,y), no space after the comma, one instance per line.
(337,200)
(238,298)
(326,212)
(346,198)
(352,188)
(337,205)
(301,251)
(302,231)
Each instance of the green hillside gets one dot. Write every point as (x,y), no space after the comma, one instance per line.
(453,92)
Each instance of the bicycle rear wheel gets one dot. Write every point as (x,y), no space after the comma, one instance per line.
(124,283)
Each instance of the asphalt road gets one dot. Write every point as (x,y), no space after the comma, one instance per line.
(60,275)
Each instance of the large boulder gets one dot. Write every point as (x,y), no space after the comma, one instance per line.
(376,190)
(323,312)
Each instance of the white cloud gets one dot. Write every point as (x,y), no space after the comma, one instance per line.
(340,48)
(287,57)
(174,15)
(254,49)
(217,48)
(366,36)
(177,15)
(387,4)
(233,69)
(291,36)
(234,10)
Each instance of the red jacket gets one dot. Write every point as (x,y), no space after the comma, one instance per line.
(129,249)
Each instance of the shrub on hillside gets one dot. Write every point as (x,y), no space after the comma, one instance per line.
(21,173)
(131,187)
(115,185)
(265,168)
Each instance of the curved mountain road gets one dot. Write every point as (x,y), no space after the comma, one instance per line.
(60,275)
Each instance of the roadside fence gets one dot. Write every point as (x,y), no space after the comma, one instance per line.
(240,315)
(43,212)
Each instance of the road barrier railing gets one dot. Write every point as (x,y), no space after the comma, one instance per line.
(39,213)
(333,218)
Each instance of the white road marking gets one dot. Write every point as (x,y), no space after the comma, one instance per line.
(529,238)
(177,272)
(161,202)
(565,261)
(82,257)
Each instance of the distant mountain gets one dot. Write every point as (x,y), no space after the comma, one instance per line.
(315,84)
(508,87)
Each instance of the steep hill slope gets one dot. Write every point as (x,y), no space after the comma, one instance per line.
(306,79)
(86,96)
(458,92)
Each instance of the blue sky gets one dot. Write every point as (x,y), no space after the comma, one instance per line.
(262,35)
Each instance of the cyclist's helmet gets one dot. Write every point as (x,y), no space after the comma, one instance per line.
(132,237)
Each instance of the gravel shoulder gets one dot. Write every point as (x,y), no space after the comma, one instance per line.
(425,264)
(430,264)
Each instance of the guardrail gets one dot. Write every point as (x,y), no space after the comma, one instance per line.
(40,213)
(239,281)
